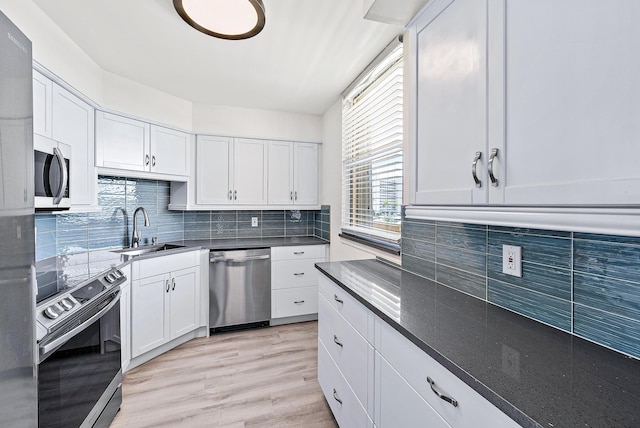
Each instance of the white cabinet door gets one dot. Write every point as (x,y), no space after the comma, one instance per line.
(121,142)
(169,151)
(572,110)
(185,302)
(73,124)
(451,106)
(399,405)
(125,324)
(305,166)
(214,156)
(250,172)
(42,105)
(149,325)
(280,173)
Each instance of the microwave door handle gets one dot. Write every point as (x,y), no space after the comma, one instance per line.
(63,173)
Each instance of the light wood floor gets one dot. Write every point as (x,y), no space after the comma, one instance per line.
(254,378)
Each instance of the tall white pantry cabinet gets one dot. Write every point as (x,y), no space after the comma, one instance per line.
(537,100)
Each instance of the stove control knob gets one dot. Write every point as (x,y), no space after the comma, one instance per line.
(117,273)
(53,311)
(110,278)
(67,304)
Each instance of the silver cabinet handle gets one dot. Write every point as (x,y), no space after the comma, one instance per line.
(336,341)
(146,159)
(337,299)
(168,286)
(474,169)
(298,274)
(64,174)
(291,195)
(153,161)
(297,253)
(295,195)
(492,177)
(299,302)
(335,396)
(235,195)
(230,195)
(173,284)
(446,398)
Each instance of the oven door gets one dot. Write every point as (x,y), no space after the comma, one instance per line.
(51,174)
(79,376)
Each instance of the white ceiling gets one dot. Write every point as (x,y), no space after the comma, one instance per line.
(308,52)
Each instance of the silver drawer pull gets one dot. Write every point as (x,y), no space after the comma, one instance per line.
(337,299)
(299,302)
(297,253)
(474,169)
(298,274)
(446,398)
(492,177)
(335,396)
(336,341)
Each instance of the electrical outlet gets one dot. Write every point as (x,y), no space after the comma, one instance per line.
(254,221)
(512,260)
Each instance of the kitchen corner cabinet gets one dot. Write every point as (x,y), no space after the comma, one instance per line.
(129,144)
(62,116)
(549,122)
(231,171)
(165,300)
(294,280)
(371,374)
(293,173)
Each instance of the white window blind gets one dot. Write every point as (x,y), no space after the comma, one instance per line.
(372,153)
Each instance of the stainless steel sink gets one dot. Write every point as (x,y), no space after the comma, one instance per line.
(129,253)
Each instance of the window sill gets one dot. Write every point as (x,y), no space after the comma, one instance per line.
(373,243)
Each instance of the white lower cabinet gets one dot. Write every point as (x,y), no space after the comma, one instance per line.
(371,367)
(294,280)
(125,321)
(165,300)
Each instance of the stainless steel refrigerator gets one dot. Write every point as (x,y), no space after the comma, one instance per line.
(18,374)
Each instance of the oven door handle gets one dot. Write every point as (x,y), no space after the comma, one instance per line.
(45,349)
(64,174)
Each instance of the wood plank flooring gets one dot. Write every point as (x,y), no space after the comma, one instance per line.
(254,378)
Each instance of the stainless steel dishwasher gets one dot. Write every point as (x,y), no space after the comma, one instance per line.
(239,288)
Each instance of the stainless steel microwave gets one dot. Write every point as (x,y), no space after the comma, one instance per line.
(52,162)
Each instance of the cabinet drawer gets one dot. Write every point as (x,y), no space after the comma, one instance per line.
(295,273)
(172,262)
(347,306)
(398,404)
(344,405)
(349,350)
(298,252)
(414,365)
(292,302)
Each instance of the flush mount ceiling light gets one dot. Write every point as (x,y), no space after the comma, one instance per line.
(225,19)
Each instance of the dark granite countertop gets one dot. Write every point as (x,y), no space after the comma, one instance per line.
(536,374)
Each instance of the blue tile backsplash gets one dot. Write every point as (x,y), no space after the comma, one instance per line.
(585,284)
(71,239)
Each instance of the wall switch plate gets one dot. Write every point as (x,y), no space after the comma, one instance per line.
(254,221)
(512,260)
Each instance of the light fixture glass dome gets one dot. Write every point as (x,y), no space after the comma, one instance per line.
(225,19)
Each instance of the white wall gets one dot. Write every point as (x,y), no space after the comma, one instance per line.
(331,189)
(246,122)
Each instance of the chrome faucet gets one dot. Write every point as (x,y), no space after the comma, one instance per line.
(135,239)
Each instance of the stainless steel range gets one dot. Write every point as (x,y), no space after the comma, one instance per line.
(79,370)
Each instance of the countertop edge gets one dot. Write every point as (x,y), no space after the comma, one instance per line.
(505,406)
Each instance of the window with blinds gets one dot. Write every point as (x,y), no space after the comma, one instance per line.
(372,153)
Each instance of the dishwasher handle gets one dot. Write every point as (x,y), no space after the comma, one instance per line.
(215,259)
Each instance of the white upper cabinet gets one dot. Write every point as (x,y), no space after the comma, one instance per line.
(450,54)
(129,144)
(61,116)
(293,173)
(122,143)
(73,124)
(231,171)
(548,103)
